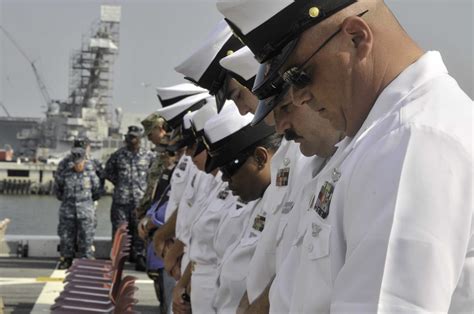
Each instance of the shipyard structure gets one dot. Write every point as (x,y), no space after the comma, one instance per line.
(85,113)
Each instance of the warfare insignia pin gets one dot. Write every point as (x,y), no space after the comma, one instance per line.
(324,200)
(287,207)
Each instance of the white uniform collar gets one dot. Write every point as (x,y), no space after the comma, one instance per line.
(425,68)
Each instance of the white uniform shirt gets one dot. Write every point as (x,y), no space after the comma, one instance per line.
(184,171)
(398,236)
(201,249)
(230,229)
(234,267)
(262,267)
(290,230)
(194,198)
(205,226)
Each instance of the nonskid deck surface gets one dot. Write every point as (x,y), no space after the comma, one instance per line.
(30,285)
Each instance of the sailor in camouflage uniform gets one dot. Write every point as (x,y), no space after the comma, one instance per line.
(94,163)
(127,169)
(154,129)
(77,187)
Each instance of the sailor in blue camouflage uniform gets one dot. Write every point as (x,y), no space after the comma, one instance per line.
(77,187)
(127,169)
(94,163)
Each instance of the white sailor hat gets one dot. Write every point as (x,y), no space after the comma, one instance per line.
(172,94)
(266,27)
(242,66)
(228,134)
(173,114)
(203,68)
(199,119)
(271,30)
(201,116)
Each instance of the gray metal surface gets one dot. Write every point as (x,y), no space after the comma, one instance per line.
(23,279)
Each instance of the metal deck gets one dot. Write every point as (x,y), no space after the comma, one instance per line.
(30,285)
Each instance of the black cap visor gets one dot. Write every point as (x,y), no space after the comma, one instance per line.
(200,147)
(223,151)
(265,106)
(221,94)
(269,81)
(177,121)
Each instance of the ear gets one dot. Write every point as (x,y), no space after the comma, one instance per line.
(261,157)
(360,34)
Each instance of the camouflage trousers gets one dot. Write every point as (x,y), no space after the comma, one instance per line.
(76,231)
(125,213)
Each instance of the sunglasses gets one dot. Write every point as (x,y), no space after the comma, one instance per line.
(270,82)
(229,169)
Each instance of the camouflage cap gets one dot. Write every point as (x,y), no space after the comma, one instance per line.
(81,142)
(151,121)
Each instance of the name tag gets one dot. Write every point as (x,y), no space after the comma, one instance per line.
(287,207)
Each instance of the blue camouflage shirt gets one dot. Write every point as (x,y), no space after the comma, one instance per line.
(76,191)
(128,172)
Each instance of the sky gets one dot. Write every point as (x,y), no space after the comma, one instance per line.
(157,35)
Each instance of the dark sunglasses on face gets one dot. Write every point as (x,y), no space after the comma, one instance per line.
(232,167)
(270,82)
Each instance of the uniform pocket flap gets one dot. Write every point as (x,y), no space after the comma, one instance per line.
(251,239)
(316,241)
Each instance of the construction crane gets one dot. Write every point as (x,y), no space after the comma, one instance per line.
(39,80)
(5,109)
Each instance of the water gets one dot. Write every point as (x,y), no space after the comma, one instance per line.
(38,215)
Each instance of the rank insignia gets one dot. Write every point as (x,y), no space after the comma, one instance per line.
(259,223)
(282,176)
(223,194)
(324,200)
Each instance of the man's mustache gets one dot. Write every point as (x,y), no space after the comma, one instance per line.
(291,135)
